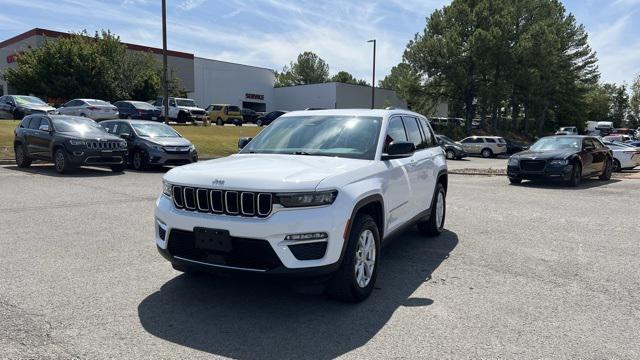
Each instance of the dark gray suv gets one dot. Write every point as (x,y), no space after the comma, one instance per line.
(152,144)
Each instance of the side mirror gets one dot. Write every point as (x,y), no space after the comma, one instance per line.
(588,148)
(125,136)
(440,142)
(243,141)
(399,150)
(44,127)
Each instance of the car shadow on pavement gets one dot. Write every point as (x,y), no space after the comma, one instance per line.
(49,170)
(558,185)
(257,319)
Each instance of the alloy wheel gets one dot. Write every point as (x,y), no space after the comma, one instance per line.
(365,258)
(439,209)
(137,161)
(59,162)
(450,155)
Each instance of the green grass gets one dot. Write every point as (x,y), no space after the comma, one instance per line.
(211,141)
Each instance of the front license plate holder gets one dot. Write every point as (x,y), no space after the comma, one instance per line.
(217,240)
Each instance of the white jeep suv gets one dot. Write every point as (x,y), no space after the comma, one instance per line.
(315,194)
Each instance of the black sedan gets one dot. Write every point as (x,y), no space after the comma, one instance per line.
(515,147)
(568,158)
(451,149)
(137,110)
(268,118)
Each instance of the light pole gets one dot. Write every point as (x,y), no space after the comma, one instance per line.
(165,80)
(373,80)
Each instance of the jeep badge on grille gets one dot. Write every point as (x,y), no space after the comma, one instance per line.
(217,182)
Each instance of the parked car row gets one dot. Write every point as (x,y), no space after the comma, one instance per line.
(73,141)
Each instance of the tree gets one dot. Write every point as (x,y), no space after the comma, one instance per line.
(619,105)
(634,104)
(82,66)
(347,78)
(505,59)
(309,68)
(408,84)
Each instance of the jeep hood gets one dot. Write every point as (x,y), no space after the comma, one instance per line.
(168,141)
(264,172)
(191,108)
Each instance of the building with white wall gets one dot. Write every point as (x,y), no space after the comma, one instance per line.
(211,81)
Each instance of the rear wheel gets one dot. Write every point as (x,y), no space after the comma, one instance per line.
(606,172)
(486,153)
(355,279)
(435,224)
(22,159)
(61,161)
(219,122)
(182,118)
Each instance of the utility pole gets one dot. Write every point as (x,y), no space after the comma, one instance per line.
(373,80)
(165,79)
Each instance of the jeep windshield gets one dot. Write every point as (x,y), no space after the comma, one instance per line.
(186,102)
(154,130)
(354,137)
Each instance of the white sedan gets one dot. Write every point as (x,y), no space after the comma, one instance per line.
(91,108)
(624,156)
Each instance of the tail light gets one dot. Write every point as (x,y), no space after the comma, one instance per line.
(500,145)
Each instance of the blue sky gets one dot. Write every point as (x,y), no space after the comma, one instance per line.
(270,33)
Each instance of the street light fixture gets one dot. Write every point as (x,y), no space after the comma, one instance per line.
(165,80)
(373,80)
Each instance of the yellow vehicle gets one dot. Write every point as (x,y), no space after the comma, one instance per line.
(221,114)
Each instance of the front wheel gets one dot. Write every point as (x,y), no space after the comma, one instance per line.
(22,159)
(576,175)
(219,122)
(435,225)
(138,161)
(61,161)
(514,181)
(450,155)
(355,279)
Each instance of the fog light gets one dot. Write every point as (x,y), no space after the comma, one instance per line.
(307,236)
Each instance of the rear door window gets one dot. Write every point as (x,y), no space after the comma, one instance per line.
(428,133)
(490,140)
(413,131)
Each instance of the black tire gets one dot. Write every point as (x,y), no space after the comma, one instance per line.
(576,175)
(606,172)
(259,123)
(515,181)
(83,115)
(450,154)
(17,114)
(138,160)
(219,122)
(435,225)
(61,161)
(22,159)
(182,119)
(118,168)
(344,283)
(616,166)
(486,153)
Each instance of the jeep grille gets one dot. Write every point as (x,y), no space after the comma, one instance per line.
(227,202)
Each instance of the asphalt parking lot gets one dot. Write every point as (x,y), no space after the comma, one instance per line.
(530,271)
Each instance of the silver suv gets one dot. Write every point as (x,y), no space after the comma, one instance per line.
(486,146)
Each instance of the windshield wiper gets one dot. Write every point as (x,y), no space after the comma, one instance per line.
(301,153)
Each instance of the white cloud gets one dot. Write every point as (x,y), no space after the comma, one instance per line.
(188,5)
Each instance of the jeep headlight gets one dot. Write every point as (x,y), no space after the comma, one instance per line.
(513,161)
(192,147)
(77,142)
(316,198)
(166,189)
(559,162)
(122,144)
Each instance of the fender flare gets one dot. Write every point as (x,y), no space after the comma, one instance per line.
(373,198)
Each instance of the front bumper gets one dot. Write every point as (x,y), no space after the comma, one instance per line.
(162,158)
(276,258)
(79,156)
(549,172)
